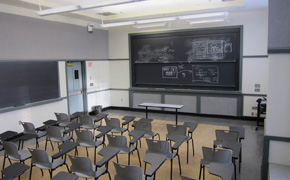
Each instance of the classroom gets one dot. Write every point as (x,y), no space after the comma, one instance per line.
(214,57)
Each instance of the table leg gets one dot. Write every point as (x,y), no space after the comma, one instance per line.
(176,117)
(146,112)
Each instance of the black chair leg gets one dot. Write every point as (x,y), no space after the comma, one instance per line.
(109,175)
(45,144)
(128,159)
(179,163)
(187,152)
(200,168)
(3,163)
(139,157)
(51,145)
(117,158)
(192,147)
(87,152)
(171,166)
(30,171)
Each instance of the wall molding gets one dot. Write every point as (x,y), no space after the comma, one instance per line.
(278,50)
(256,56)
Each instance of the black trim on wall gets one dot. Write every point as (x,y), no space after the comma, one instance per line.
(279,51)
(256,56)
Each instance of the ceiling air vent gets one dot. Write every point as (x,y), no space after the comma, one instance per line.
(107,14)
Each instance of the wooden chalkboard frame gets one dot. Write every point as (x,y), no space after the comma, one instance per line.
(233,83)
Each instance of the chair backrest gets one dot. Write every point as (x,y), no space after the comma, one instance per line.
(11,149)
(241,130)
(176,129)
(28,128)
(53,132)
(124,172)
(143,126)
(84,136)
(61,117)
(86,119)
(155,146)
(117,141)
(227,135)
(217,155)
(40,157)
(82,165)
(112,122)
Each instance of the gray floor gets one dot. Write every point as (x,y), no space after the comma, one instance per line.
(252,144)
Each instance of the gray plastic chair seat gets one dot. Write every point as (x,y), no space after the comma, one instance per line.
(125,150)
(83,167)
(150,134)
(53,165)
(62,119)
(211,155)
(162,148)
(118,130)
(124,172)
(12,153)
(90,144)
(97,173)
(41,160)
(64,138)
(115,124)
(223,170)
(24,154)
(120,142)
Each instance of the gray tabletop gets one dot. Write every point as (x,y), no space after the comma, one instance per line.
(173,106)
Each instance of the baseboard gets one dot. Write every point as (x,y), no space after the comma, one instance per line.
(245,118)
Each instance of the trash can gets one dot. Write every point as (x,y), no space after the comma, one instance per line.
(96,109)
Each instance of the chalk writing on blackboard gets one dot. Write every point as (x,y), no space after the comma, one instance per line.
(209,73)
(163,54)
(200,73)
(207,49)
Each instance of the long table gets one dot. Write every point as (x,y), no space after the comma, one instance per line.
(171,106)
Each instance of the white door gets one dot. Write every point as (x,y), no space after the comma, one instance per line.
(75,87)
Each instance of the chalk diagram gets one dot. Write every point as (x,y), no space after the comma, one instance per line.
(200,73)
(163,54)
(205,49)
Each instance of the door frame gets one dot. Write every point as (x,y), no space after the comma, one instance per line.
(84,85)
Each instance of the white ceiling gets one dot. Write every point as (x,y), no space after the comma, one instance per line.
(144,9)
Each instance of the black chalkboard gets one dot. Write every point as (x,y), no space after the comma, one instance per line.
(27,82)
(197,59)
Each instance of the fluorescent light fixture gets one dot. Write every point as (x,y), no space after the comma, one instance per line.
(165,19)
(125,23)
(58,10)
(205,15)
(149,25)
(206,21)
(105,3)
